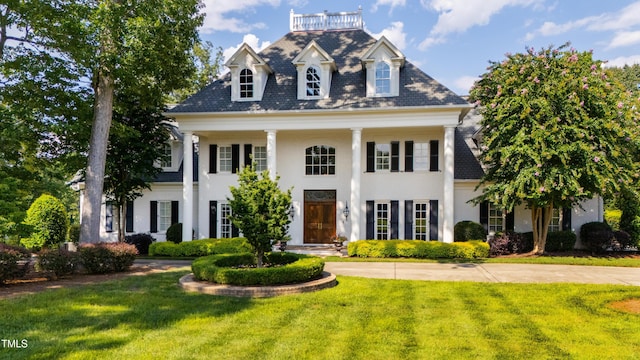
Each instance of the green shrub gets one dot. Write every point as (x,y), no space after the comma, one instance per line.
(510,242)
(468,230)
(105,258)
(235,269)
(560,241)
(197,248)
(140,241)
(418,249)
(174,233)
(48,220)
(59,262)
(74,233)
(10,256)
(612,217)
(596,235)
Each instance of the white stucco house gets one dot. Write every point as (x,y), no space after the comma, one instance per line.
(373,147)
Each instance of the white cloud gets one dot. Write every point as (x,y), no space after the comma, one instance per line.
(625,38)
(217,15)
(620,20)
(391,3)
(623,60)
(395,33)
(249,39)
(464,83)
(457,16)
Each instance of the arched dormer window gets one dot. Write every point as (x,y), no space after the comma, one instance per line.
(320,160)
(313,81)
(383,78)
(246,84)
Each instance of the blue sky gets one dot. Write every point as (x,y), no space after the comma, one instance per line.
(451,40)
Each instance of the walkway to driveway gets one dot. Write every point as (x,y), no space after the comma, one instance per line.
(513,273)
(508,273)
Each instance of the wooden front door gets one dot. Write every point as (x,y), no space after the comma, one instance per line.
(319,216)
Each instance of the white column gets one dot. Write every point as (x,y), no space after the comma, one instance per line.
(448,203)
(356,170)
(187,187)
(271,153)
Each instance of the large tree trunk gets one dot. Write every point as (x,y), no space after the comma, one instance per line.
(540,220)
(122,218)
(94,176)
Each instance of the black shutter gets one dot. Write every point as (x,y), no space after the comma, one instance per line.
(408,219)
(394,219)
(566,219)
(235,158)
(213,219)
(484,215)
(370,221)
(408,156)
(434,148)
(248,148)
(235,232)
(433,219)
(128,222)
(371,156)
(153,217)
(108,219)
(395,156)
(213,159)
(175,205)
(510,220)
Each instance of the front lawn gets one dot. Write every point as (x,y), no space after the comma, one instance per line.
(150,317)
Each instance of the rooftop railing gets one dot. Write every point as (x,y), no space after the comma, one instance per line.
(326,21)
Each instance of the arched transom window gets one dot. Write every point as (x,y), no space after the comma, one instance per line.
(320,160)
(383,78)
(246,84)
(313,81)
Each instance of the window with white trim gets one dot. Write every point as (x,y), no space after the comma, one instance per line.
(313,81)
(246,84)
(260,158)
(421,220)
(496,219)
(556,220)
(383,227)
(420,156)
(320,160)
(166,157)
(164,215)
(226,227)
(383,156)
(226,158)
(383,78)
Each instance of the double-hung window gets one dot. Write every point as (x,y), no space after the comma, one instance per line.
(165,160)
(383,79)
(421,221)
(164,215)
(420,156)
(383,156)
(225,224)
(496,219)
(226,158)
(320,160)
(556,220)
(260,158)
(382,221)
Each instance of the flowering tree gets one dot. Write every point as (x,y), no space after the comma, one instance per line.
(556,131)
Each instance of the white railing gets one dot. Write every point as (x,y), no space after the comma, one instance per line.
(326,21)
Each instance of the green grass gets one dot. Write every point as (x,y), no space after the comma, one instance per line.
(150,317)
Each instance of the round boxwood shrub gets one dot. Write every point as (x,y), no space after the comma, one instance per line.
(596,235)
(48,219)
(140,241)
(174,233)
(468,230)
(238,269)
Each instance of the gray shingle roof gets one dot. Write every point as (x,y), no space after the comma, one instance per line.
(467,166)
(347,87)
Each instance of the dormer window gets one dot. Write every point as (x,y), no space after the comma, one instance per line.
(382,63)
(313,81)
(249,74)
(383,78)
(246,83)
(315,68)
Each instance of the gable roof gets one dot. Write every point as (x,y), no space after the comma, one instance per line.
(383,42)
(313,46)
(242,52)
(348,85)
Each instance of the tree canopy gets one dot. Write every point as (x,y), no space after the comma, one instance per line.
(557,130)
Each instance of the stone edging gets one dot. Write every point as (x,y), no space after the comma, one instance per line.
(189,283)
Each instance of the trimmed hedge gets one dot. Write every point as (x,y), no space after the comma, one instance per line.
(9,257)
(560,241)
(59,262)
(235,269)
(105,258)
(469,230)
(596,235)
(418,249)
(198,248)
